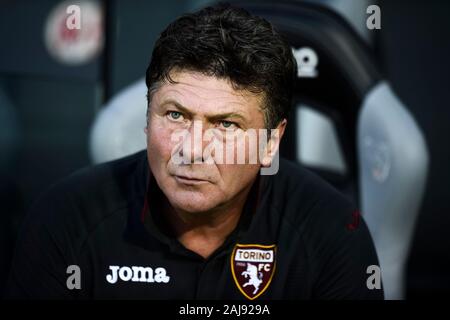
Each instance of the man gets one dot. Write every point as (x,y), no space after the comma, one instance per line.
(194,217)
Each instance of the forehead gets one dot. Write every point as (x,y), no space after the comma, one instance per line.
(202,93)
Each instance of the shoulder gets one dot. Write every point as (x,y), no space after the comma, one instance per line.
(311,205)
(336,239)
(79,202)
(62,219)
(302,195)
(101,177)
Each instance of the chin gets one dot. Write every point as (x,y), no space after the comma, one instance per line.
(192,201)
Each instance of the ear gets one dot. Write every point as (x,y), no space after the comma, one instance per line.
(274,143)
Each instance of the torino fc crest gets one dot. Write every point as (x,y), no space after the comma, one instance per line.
(253,266)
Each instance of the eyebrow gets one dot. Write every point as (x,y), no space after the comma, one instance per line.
(176,104)
(214,117)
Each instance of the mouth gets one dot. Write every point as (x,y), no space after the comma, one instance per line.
(189,181)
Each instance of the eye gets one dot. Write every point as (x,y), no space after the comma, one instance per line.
(174,115)
(228,125)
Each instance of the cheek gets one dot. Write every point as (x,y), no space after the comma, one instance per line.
(235,177)
(159,142)
(245,148)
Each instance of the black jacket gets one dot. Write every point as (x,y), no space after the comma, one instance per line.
(297,238)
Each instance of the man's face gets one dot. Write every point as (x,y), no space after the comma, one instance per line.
(204,102)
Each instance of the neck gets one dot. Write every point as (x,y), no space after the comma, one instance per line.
(204,232)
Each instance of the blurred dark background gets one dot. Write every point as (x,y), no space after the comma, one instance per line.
(48,106)
(413,48)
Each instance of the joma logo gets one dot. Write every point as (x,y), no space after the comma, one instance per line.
(137,274)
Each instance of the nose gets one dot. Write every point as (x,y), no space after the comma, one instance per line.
(192,148)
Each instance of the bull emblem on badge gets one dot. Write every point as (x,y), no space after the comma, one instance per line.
(255,277)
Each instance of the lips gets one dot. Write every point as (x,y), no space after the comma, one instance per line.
(190,180)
